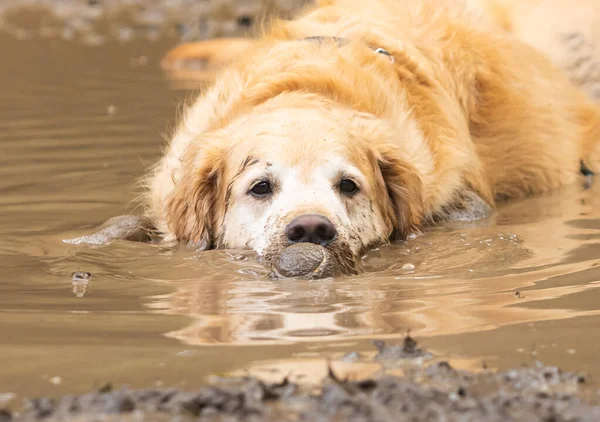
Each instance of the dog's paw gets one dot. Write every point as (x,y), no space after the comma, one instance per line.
(122,227)
(468,206)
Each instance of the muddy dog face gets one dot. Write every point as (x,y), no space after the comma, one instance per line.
(279,176)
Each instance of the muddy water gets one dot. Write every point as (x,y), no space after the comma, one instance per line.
(79,125)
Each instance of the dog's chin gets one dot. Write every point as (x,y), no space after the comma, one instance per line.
(307,260)
(346,261)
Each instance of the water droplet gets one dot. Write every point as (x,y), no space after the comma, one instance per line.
(408,267)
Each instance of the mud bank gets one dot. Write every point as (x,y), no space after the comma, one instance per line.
(431,391)
(94,22)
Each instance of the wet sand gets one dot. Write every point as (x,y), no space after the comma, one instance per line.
(432,391)
(79,125)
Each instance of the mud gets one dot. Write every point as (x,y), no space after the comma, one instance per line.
(301,260)
(305,260)
(95,22)
(74,316)
(432,391)
(121,227)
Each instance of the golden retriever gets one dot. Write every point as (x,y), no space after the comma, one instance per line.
(359,122)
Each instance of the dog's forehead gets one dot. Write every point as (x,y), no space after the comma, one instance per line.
(307,168)
(326,168)
(285,127)
(294,137)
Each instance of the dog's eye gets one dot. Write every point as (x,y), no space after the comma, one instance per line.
(261,189)
(348,187)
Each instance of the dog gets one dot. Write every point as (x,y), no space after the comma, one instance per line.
(361,122)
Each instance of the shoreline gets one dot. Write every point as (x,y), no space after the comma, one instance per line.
(426,390)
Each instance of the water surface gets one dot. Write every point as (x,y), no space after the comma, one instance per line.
(79,126)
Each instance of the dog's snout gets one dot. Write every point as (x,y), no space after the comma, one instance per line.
(311,228)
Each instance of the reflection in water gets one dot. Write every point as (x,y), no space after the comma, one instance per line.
(465,279)
(77,128)
(80,287)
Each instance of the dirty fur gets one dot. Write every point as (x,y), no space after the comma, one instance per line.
(466,114)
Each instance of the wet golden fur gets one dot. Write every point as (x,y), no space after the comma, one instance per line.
(466,115)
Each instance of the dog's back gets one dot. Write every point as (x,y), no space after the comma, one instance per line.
(529,125)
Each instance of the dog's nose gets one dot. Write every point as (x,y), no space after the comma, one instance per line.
(311,228)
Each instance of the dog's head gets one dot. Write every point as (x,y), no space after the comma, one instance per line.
(296,170)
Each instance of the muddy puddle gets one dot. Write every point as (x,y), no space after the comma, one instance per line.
(80,124)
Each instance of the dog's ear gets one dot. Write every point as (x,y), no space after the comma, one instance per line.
(194,206)
(400,188)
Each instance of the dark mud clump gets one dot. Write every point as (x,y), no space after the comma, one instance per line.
(434,392)
(304,260)
(395,352)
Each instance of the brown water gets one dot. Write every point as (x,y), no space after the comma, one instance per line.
(79,125)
